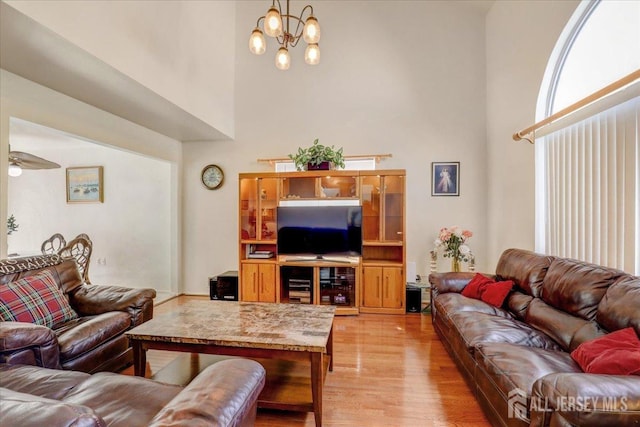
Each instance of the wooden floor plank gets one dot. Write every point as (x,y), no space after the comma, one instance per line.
(389,370)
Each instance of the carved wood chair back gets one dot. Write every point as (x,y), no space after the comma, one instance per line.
(53,244)
(80,249)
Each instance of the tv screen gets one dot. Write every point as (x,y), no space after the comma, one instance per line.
(320,230)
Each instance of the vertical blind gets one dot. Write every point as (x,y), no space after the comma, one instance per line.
(589,183)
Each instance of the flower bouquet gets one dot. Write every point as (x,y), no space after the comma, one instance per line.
(453,241)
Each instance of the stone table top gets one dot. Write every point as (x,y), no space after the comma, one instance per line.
(298,327)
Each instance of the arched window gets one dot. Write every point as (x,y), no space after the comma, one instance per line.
(605,48)
(587,164)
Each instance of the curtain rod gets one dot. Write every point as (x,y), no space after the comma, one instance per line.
(626,80)
(378,158)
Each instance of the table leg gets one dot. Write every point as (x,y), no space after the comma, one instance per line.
(139,358)
(317,380)
(330,348)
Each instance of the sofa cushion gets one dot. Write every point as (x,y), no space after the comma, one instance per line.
(619,306)
(110,396)
(513,366)
(518,303)
(561,326)
(35,299)
(84,334)
(48,383)
(27,410)
(612,400)
(617,353)
(576,286)
(64,270)
(477,328)
(12,266)
(527,269)
(451,303)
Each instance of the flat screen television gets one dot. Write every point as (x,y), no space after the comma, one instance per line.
(320,230)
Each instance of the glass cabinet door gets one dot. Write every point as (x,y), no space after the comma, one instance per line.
(338,286)
(248,207)
(393,208)
(371,207)
(268,207)
(258,207)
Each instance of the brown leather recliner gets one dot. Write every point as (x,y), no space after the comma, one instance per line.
(94,341)
(224,394)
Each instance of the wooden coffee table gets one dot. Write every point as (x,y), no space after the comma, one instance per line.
(293,332)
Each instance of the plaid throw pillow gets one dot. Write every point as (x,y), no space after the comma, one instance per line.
(35,299)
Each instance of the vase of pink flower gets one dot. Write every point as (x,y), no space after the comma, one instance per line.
(453,241)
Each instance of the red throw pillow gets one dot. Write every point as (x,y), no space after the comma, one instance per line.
(494,293)
(617,353)
(474,287)
(483,288)
(35,299)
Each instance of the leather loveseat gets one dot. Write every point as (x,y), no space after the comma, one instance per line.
(516,357)
(93,340)
(224,394)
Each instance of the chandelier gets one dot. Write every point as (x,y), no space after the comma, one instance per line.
(281,27)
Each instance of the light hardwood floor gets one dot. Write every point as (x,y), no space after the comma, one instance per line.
(389,370)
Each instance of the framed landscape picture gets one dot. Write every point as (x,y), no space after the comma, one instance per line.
(85,185)
(445,178)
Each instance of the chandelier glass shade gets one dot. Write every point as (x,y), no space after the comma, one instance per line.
(287,29)
(283,60)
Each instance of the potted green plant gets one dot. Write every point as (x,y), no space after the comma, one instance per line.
(12,225)
(318,157)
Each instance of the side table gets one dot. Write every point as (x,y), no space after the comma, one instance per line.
(423,286)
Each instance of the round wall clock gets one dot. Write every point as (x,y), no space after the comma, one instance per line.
(212,177)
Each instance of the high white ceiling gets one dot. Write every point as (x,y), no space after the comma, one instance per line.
(32,51)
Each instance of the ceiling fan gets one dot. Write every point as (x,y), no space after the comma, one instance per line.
(19,160)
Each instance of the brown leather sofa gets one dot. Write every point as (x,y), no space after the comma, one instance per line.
(94,341)
(516,358)
(224,394)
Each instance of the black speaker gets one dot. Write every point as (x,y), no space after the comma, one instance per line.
(224,287)
(414,299)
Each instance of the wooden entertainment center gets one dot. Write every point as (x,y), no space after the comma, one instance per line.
(372,283)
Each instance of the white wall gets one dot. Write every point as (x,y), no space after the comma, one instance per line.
(131,230)
(425,81)
(26,100)
(182,50)
(520,38)
(414,87)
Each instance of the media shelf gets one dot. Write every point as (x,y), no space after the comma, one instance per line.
(320,282)
(338,286)
(370,283)
(296,284)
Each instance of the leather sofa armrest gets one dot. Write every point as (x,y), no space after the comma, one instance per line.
(224,394)
(586,399)
(28,344)
(448,282)
(28,410)
(97,299)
